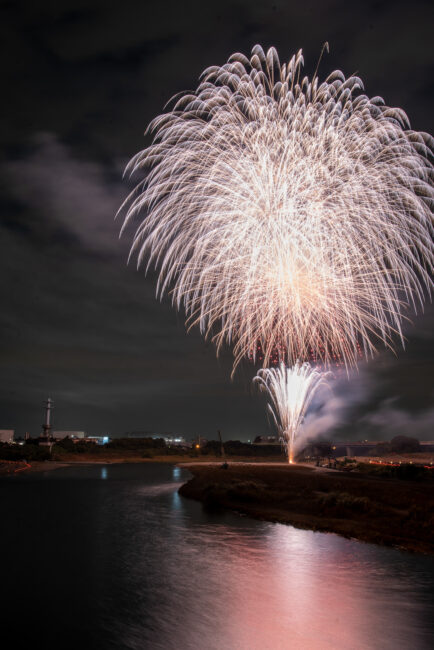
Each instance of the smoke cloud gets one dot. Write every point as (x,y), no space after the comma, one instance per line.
(348,410)
(393,421)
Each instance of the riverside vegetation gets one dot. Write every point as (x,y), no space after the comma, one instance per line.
(136,450)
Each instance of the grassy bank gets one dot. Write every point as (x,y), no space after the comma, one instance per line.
(366,507)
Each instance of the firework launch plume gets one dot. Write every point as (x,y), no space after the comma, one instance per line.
(286,212)
(290,391)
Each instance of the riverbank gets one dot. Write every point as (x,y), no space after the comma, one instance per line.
(110,456)
(10,468)
(383,511)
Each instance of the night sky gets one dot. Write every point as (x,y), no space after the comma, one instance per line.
(81,80)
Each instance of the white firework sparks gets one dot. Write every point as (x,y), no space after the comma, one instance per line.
(286,213)
(290,391)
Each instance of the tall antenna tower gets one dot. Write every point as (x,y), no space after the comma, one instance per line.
(46,427)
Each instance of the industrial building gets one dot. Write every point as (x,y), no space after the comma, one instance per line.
(60,435)
(7,435)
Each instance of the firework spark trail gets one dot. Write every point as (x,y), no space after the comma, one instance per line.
(286,212)
(290,391)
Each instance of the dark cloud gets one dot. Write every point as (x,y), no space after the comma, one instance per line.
(79,196)
(82,81)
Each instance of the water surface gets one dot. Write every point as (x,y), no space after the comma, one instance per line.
(110,556)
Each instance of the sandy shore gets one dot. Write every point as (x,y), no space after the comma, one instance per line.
(379,510)
(15,468)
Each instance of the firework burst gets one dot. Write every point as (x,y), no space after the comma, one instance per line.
(290,391)
(286,212)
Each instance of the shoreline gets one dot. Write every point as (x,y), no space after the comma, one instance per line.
(383,511)
(13,468)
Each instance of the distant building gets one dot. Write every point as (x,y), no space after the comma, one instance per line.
(7,435)
(169,438)
(68,434)
(98,440)
(175,441)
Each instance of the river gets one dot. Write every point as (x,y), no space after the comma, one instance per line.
(110,556)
